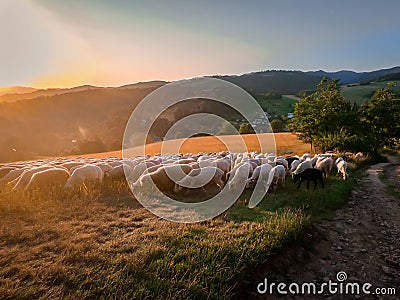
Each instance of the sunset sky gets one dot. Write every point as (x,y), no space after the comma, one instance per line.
(63,43)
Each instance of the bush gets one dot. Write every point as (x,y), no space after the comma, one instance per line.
(246,128)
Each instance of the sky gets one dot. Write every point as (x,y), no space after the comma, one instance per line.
(64,43)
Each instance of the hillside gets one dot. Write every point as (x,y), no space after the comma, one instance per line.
(11,95)
(359,93)
(347,77)
(280,82)
(16,90)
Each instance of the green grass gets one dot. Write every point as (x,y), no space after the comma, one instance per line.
(278,106)
(103,244)
(360,93)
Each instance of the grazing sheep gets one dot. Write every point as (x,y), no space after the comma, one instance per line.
(200,177)
(5,170)
(303,166)
(295,164)
(235,168)
(283,162)
(55,177)
(161,178)
(139,170)
(325,165)
(309,175)
(279,174)
(12,175)
(341,166)
(71,164)
(105,167)
(240,176)
(262,170)
(84,174)
(119,171)
(26,177)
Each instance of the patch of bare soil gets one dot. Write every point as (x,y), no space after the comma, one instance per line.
(363,241)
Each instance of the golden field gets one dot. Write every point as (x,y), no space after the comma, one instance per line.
(285,143)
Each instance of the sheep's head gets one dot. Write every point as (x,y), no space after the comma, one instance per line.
(250,183)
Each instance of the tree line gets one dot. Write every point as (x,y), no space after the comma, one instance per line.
(327,120)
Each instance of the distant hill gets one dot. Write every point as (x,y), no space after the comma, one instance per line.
(390,77)
(281,82)
(348,77)
(31,93)
(16,90)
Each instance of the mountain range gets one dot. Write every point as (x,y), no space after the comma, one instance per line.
(262,82)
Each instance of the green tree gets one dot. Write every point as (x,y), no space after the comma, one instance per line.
(277,125)
(380,118)
(246,128)
(322,113)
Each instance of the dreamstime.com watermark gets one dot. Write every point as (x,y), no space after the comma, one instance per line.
(338,287)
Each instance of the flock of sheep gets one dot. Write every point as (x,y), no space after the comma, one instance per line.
(174,173)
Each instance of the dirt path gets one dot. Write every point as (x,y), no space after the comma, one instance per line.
(363,241)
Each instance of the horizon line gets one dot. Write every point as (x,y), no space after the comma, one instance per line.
(167,81)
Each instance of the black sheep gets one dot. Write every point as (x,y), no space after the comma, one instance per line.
(309,175)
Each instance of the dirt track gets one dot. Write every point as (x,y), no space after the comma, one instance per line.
(363,241)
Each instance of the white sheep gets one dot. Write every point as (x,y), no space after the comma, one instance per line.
(84,174)
(119,171)
(164,178)
(240,176)
(302,166)
(71,164)
(279,174)
(56,177)
(235,168)
(12,175)
(263,169)
(325,165)
(105,167)
(283,162)
(295,164)
(201,177)
(139,170)
(342,168)
(5,170)
(25,177)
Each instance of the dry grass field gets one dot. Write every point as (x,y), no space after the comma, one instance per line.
(286,143)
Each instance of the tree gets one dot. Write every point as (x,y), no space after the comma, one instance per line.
(246,128)
(322,113)
(277,125)
(381,116)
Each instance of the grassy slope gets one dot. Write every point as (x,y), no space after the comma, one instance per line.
(104,244)
(361,92)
